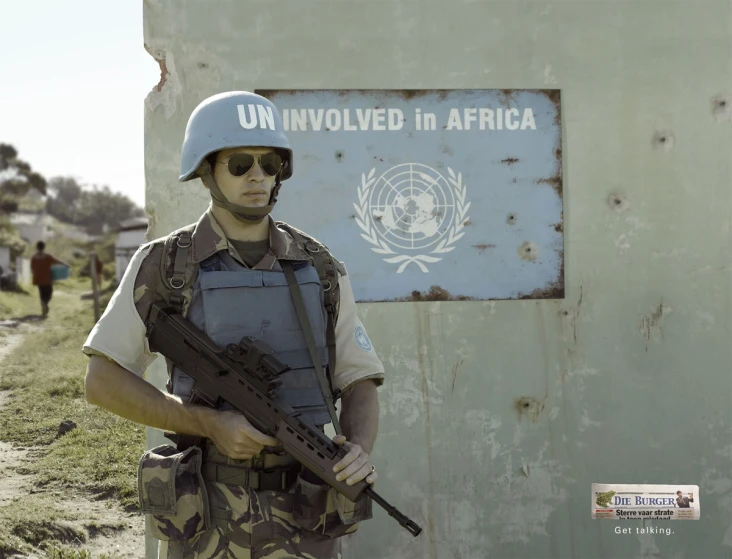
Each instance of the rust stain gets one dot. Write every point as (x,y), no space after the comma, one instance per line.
(556,179)
(554,95)
(435,293)
(574,314)
(467,222)
(652,324)
(455,369)
(559,227)
(529,407)
(510,160)
(483,247)
(507,96)
(406,94)
(421,350)
(555,290)
(555,182)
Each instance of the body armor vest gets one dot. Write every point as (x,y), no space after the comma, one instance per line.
(230,301)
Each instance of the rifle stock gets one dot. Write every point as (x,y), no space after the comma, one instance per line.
(245,375)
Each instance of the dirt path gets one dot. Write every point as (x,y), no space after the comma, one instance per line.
(108,527)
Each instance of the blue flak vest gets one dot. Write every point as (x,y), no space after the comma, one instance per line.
(230,301)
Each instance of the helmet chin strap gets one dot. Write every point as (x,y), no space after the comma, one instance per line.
(244,214)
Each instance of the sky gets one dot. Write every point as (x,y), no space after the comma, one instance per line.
(73,80)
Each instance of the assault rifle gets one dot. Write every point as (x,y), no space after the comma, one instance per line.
(245,375)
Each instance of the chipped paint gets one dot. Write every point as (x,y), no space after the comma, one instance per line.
(522,505)
(167,92)
(408,394)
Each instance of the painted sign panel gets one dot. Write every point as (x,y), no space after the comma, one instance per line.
(430,195)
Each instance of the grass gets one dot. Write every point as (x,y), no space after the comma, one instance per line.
(45,373)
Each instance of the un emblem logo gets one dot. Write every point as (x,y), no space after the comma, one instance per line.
(412,211)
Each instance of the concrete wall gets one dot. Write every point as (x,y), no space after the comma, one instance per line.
(627,378)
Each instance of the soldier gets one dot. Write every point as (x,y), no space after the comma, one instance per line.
(225,274)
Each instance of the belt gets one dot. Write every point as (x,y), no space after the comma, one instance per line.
(275,479)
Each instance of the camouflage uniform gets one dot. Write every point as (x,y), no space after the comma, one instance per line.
(302,521)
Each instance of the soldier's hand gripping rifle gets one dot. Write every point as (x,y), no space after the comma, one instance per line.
(245,375)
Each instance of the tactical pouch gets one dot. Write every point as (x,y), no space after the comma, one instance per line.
(320,508)
(171,489)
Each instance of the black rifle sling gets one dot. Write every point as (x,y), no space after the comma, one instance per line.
(324,265)
(178,280)
(310,340)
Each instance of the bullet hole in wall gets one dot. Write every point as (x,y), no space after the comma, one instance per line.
(618,202)
(664,140)
(528,251)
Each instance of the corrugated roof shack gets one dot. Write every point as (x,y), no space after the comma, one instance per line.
(131,236)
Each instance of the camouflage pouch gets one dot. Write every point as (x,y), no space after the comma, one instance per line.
(171,489)
(321,509)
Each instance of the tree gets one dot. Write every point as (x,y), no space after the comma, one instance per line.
(64,199)
(9,238)
(100,206)
(89,207)
(16,179)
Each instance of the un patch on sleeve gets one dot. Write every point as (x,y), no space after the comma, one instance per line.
(362,339)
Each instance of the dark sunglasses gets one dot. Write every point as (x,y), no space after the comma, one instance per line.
(240,163)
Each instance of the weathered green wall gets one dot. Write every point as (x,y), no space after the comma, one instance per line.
(629,376)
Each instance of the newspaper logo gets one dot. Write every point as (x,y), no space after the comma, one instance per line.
(644,501)
(412,212)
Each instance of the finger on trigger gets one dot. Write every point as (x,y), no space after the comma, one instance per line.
(263,439)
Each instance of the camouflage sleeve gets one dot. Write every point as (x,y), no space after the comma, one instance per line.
(120,333)
(356,358)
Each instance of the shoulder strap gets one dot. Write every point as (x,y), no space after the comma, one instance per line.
(328,271)
(307,329)
(174,278)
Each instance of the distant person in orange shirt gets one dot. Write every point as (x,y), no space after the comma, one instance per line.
(41,269)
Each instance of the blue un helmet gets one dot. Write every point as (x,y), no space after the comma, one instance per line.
(231,120)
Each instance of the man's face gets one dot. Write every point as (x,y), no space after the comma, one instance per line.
(251,189)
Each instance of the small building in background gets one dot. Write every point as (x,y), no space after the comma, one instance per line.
(4,260)
(31,226)
(131,236)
